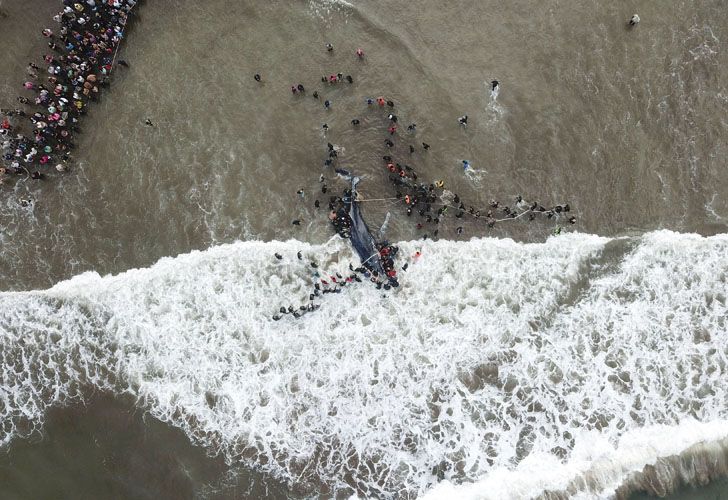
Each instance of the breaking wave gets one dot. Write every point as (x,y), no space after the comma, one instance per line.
(497,369)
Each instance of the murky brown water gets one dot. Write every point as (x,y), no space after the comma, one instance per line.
(628,126)
(107,449)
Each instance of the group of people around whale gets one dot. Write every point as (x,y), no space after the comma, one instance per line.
(78,64)
(430,201)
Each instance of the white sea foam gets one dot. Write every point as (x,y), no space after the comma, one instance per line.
(494,364)
(710,208)
(491,101)
(324,9)
(495,113)
(596,465)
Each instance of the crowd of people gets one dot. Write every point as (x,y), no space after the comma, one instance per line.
(81,56)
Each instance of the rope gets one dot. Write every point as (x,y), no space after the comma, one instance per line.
(376,199)
(454,207)
(506,219)
(376,254)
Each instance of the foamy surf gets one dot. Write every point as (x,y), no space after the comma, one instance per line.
(323,9)
(496,367)
(597,468)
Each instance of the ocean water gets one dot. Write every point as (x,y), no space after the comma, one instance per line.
(529,367)
(138,291)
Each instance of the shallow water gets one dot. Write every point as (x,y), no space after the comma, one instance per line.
(108,449)
(628,126)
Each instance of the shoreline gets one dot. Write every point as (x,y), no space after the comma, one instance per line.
(695,468)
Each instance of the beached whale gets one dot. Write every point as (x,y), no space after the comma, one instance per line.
(365,244)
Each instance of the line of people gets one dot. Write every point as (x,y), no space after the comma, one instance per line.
(79,64)
(325,283)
